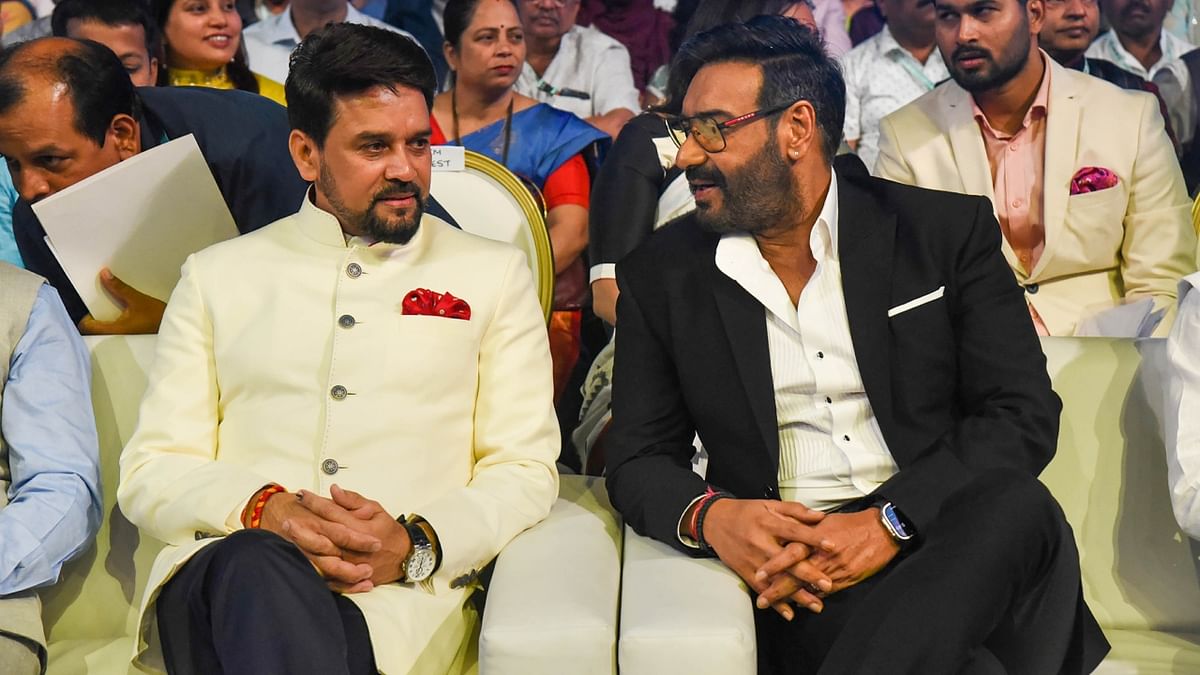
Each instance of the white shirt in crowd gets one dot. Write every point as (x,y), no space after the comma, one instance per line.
(831,450)
(1170,74)
(1182,402)
(588,63)
(882,77)
(269,43)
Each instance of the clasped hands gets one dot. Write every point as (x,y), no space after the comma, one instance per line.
(789,553)
(351,540)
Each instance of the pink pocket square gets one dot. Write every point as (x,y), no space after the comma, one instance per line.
(1092,179)
(424,302)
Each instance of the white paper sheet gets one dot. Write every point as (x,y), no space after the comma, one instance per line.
(140,218)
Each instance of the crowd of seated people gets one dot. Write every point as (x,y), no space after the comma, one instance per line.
(832,230)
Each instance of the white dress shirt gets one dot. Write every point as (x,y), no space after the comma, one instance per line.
(882,77)
(1170,75)
(270,42)
(590,62)
(1183,399)
(831,450)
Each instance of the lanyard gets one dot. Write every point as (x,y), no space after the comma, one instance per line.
(909,64)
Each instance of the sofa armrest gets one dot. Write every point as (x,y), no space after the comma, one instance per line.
(682,615)
(553,596)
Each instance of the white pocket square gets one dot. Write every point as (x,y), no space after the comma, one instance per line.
(917,302)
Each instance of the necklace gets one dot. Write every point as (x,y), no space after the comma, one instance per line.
(507,123)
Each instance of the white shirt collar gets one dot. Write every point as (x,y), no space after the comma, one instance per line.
(739,258)
(281,29)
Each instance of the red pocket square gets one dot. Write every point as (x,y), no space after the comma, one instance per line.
(424,302)
(1092,179)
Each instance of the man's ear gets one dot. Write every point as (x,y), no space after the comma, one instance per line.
(800,134)
(1036,11)
(125,134)
(305,154)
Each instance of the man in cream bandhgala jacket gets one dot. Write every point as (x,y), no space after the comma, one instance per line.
(447,418)
(1133,239)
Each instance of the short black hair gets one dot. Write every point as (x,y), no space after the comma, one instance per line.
(457,16)
(794,68)
(99,87)
(109,13)
(344,59)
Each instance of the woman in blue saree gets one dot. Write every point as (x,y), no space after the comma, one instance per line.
(485,48)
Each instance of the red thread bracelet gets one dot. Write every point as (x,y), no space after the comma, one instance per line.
(255,519)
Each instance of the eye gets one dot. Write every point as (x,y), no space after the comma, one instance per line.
(50,162)
(374,147)
(419,143)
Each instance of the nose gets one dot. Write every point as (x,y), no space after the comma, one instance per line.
(690,154)
(1076,8)
(217,17)
(968,30)
(31,185)
(400,168)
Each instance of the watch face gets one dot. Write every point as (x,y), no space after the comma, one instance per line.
(419,565)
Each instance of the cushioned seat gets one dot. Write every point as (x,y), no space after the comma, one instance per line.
(1145,652)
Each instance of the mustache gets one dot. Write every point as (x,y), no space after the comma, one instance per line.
(705,174)
(968,52)
(399,190)
(545,14)
(1140,6)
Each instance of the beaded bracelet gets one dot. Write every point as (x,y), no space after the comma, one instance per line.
(255,513)
(701,512)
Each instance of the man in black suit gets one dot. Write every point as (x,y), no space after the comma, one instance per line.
(851,345)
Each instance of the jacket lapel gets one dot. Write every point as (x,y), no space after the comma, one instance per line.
(1062,140)
(970,156)
(745,324)
(866,235)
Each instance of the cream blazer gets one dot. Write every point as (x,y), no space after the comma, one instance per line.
(1134,239)
(446,418)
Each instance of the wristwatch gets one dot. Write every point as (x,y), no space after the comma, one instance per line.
(895,524)
(422,559)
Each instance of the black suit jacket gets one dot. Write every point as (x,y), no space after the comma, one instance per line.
(958,385)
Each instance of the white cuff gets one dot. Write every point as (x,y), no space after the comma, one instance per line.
(602,271)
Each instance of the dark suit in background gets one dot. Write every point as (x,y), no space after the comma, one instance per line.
(961,395)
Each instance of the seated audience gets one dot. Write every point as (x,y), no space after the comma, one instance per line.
(50,506)
(1081,174)
(124,26)
(104,121)
(888,71)
(1068,28)
(641,27)
(1138,43)
(271,41)
(574,68)
(1182,397)
(344,543)
(8,199)
(485,46)
(865,23)
(832,25)
(855,452)
(203,46)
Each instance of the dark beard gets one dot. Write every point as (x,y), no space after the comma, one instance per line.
(753,199)
(399,231)
(1012,60)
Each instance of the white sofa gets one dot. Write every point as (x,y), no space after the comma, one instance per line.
(538,615)
(1140,573)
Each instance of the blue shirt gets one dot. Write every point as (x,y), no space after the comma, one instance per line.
(46,417)
(8,198)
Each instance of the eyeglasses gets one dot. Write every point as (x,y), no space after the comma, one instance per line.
(708,132)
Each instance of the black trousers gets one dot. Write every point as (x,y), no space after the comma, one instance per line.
(992,588)
(253,604)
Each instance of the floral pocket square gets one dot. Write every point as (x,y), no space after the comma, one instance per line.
(1092,179)
(424,302)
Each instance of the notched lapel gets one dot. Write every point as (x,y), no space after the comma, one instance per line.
(1059,164)
(745,325)
(866,238)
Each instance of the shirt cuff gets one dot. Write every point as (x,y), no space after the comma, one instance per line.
(685,540)
(602,271)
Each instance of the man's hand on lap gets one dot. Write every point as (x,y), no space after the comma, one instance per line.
(325,543)
(369,518)
(863,546)
(746,534)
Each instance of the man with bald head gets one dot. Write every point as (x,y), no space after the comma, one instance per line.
(68,111)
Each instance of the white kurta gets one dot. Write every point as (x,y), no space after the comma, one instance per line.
(284,357)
